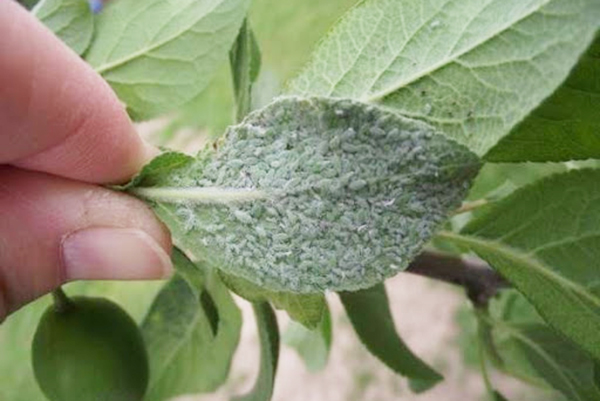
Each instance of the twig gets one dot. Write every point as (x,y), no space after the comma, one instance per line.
(479,280)
(61,301)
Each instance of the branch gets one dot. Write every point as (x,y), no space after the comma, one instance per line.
(480,281)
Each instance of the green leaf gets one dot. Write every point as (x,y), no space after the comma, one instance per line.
(472,68)
(560,364)
(307,309)
(71,20)
(497,180)
(16,333)
(545,239)
(190,345)
(244,58)
(313,346)
(268,332)
(532,351)
(566,126)
(370,315)
(157,55)
(496,396)
(159,170)
(312,194)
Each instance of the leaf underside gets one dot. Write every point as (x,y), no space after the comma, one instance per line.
(71,20)
(172,59)
(471,68)
(308,195)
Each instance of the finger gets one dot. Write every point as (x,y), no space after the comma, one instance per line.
(56,114)
(54,230)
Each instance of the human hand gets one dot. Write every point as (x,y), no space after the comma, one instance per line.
(63,132)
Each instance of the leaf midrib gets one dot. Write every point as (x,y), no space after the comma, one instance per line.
(379,96)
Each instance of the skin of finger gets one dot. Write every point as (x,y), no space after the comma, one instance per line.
(57,114)
(37,211)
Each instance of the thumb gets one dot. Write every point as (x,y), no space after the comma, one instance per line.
(54,230)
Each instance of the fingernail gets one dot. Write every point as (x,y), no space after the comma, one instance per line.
(113,254)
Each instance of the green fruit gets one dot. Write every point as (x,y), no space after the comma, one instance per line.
(89,349)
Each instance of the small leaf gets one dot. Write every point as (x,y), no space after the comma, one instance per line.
(158,55)
(268,332)
(566,125)
(154,173)
(313,346)
(372,320)
(312,194)
(245,60)
(545,239)
(71,20)
(471,68)
(306,309)
(191,331)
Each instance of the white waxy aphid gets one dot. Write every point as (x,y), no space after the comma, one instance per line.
(324,194)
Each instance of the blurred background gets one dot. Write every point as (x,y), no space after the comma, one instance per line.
(428,318)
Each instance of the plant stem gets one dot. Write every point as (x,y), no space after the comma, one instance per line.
(487,352)
(479,280)
(483,362)
(61,300)
(485,325)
